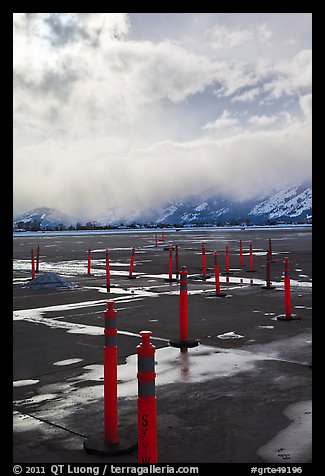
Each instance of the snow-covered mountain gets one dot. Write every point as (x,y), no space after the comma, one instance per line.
(293,203)
(44,217)
(118,215)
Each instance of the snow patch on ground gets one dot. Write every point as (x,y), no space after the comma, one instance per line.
(294,443)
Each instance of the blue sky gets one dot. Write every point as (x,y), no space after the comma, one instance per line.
(137,110)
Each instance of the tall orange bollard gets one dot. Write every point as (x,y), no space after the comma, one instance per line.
(170,278)
(183,343)
(163,236)
(170,263)
(108,273)
(89,260)
(204,263)
(268,272)
(110,443)
(110,376)
(270,250)
(287,298)
(176,262)
(37,259)
(227,260)
(251,269)
(240,253)
(217,278)
(132,264)
(33,264)
(146,401)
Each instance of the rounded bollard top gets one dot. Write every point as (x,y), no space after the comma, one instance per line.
(145,335)
(110,310)
(145,348)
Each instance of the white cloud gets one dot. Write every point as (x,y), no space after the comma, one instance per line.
(263,120)
(100,118)
(291,76)
(223,37)
(247,96)
(306,105)
(225,120)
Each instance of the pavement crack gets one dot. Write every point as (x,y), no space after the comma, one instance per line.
(43,420)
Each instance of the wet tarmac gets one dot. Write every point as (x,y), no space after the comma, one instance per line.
(242,396)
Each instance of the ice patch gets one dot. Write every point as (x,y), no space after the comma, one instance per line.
(294,443)
(23,383)
(230,335)
(67,362)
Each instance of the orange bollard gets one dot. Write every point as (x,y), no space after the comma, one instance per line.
(163,236)
(217,278)
(146,401)
(33,264)
(108,274)
(227,260)
(170,266)
(89,260)
(268,271)
(204,263)
(110,376)
(176,262)
(183,343)
(250,270)
(287,298)
(170,263)
(37,259)
(270,250)
(110,444)
(131,264)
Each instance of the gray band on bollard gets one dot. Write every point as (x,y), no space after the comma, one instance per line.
(110,322)
(146,364)
(110,340)
(146,389)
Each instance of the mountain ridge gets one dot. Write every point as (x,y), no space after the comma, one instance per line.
(290,204)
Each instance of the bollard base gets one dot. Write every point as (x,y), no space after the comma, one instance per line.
(250,270)
(268,287)
(184,344)
(96,445)
(291,318)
